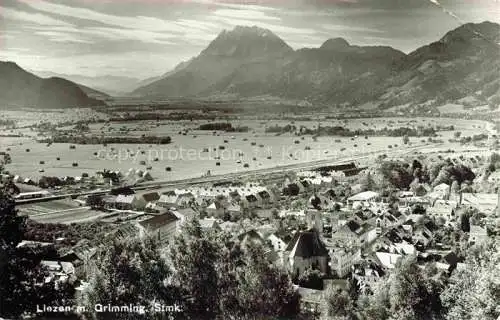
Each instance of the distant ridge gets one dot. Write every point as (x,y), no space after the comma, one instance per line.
(23,89)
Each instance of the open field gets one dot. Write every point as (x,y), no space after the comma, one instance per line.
(27,117)
(185,155)
(194,152)
(58,211)
(258,126)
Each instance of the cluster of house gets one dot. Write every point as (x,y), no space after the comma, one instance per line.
(215,201)
(365,237)
(100,178)
(361,238)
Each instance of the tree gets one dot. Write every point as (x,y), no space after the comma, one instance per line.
(22,284)
(473,292)
(448,173)
(406,294)
(336,207)
(338,303)
(194,258)
(367,182)
(229,266)
(416,165)
(315,202)
(312,279)
(227,280)
(298,204)
(397,173)
(465,221)
(49,182)
(265,291)
(291,190)
(12,226)
(406,139)
(129,272)
(95,201)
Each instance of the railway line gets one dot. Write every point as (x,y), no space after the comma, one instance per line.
(228,176)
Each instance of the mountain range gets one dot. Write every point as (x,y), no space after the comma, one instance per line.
(251,61)
(23,89)
(105,84)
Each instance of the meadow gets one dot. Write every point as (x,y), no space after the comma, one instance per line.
(194,152)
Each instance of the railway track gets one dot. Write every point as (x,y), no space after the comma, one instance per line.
(229,176)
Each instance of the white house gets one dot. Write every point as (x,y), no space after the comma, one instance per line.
(168,199)
(485,203)
(388,260)
(124,202)
(443,209)
(342,259)
(208,224)
(215,209)
(441,191)
(355,233)
(362,197)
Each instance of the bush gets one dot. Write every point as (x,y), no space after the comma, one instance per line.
(312,279)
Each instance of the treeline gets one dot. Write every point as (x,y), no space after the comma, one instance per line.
(70,233)
(345,132)
(222,126)
(51,182)
(107,140)
(11,135)
(474,138)
(7,123)
(49,126)
(402,175)
(278,129)
(141,116)
(210,276)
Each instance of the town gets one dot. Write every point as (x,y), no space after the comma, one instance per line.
(250,160)
(339,233)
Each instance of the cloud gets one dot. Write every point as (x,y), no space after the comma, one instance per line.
(273,27)
(199,38)
(159,31)
(139,40)
(197,24)
(346,28)
(95,34)
(125,34)
(32,18)
(56,36)
(245,14)
(246,6)
(126,22)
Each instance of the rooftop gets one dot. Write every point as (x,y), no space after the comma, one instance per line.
(364,196)
(159,221)
(307,244)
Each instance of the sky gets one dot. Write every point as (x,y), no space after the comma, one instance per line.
(146,38)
